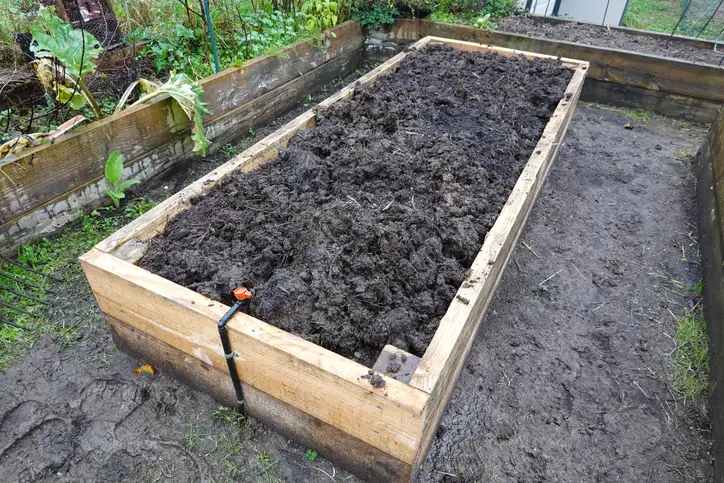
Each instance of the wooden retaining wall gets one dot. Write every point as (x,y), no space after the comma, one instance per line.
(671,87)
(42,190)
(678,39)
(710,199)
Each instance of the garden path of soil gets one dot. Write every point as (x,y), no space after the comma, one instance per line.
(587,34)
(360,234)
(548,393)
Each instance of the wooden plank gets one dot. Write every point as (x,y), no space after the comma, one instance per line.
(333,444)
(61,210)
(234,87)
(319,382)
(441,364)
(670,105)
(80,156)
(677,39)
(710,209)
(129,243)
(623,67)
(475,47)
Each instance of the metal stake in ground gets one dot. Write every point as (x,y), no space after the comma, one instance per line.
(242,295)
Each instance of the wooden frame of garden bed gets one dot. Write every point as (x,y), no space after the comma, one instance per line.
(311,394)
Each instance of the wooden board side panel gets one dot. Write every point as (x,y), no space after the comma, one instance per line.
(337,446)
(441,364)
(80,156)
(319,382)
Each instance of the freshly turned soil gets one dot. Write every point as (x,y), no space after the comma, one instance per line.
(587,34)
(362,231)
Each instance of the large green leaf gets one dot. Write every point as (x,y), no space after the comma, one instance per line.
(188,96)
(114,167)
(74,48)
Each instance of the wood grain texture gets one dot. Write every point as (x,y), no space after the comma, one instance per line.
(710,213)
(441,364)
(319,382)
(337,446)
(80,156)
(679,39)
(665,104)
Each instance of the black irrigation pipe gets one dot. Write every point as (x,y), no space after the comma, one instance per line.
(19,294)
(10,277)
(12,324)
(3,304)
(25,267)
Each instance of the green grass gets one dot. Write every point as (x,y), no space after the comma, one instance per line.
(691,357)
(57,256)
(656,15)
(639,115)
(663,15)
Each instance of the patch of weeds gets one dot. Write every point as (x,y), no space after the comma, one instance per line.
(691,357)
(192,436)
(683,154)
(139,207)
(543,289)
(656,15)
(696,289)
(267,472)
(639,115)
(230,151)
(230,416)
(252,133)
(311,455)
(58,256)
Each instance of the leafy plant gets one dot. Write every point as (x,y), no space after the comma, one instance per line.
(64,57)
(372,14)
(114,173)
(320,14)
(187,95)
(138,208)
(311,455)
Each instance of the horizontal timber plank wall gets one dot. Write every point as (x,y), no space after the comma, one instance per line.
(680,39)
(671,87)
(710,198)
(44,188)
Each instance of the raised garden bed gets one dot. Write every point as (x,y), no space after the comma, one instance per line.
(685,48)
(377,426)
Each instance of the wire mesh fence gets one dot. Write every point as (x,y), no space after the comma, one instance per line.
(701,18)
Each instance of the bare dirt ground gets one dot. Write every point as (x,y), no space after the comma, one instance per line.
(567,380)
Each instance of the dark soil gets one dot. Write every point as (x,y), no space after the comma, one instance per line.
(362,231)
(587,34)
(572,383)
